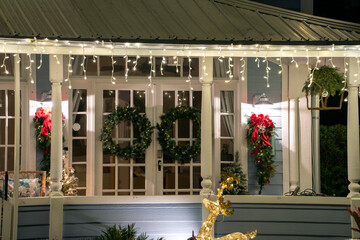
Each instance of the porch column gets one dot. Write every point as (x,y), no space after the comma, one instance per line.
(56,196)
(294,144)
(353,129)
(206,78)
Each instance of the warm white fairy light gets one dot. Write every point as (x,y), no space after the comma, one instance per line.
(242,68)
(69,65)
(113,78)
(41,61)
(127,61)
(294,61)
(57,59)
(280,65)
(30,68)
(229,71)
(163,62)
(189,76)
(176,61)
(135,62)
(4,60)
(311,76)
(257,60)
(152,71)
(267,68)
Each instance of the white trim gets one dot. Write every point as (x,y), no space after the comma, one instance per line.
(285,111)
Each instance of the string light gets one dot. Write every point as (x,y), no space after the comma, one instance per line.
(189,76)
(57,59)
(69,65)
(176,63)
(242,68)
(163,61)
(229,72)
(267,72)
(30,68)
(257,60)
(4,60)
(280,65)
(113,78)
(136,62)
(41,56)
(311,77)
(293,60)
(152,71)
(127,61)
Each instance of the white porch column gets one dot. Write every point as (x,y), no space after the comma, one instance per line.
(206,78)
(353,129)
(294,144)
(56,196)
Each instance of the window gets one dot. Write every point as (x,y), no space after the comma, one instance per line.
(7,129)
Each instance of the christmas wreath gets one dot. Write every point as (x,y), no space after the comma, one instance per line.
(42,124)
(169,147)
(260,129)
(141,124)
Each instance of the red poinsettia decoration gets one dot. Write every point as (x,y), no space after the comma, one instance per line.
(260,129)
(42,123)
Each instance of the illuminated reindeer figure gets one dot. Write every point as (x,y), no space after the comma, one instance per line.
(214,209)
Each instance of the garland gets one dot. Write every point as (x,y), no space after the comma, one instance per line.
(260,129)
(169,147)
(140,122)
(42,124)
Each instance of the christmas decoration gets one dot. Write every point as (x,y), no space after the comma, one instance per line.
(214,208)
(141,124)
(69,182)
(42,124)
(168,145)
(260,130)
(235,169)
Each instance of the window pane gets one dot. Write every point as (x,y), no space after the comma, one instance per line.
(138,193)
(124,129)
(79,150)
(2,103)
(108,158)
(169,177)
(2,159)
(2,131)
(140,159)
(10,158)
(79,125)
(196,128)
(183,98)
(79,100)
(227,149)
(197,99)
(11,103)
(109,101)
(139,101)
(81,192)
(80,173)
(227,101)
(124,193)
(139,177)
(142,67)
(197,177)
(227,126)
(106,66)
(124,98)
(184,177)
(169,68)
(184,128)
(8,63)
(11,131)
(90,66)
(108,177)
(109,194)
(124,178)
(184,143)
(194,66)
(168,101)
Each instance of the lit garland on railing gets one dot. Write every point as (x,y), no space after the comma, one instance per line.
(242,69)
(30,69)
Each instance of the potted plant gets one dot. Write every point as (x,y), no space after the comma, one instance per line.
(324,82)
(356,215)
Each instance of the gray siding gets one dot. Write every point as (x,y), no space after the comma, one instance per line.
(288,221)
(33,222)
(257,85)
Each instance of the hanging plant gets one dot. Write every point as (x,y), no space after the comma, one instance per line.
(141,124)
(326,81)
(42,124)
(260,130)
(169,147)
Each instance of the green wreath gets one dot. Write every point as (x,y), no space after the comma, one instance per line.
(168,145)
(140,122)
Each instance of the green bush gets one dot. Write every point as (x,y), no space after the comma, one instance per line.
(333,160)
(128,232)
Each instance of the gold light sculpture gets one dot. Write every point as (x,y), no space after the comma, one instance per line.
(214,208)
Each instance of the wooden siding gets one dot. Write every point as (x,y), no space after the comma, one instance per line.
(256,86)
(288,221)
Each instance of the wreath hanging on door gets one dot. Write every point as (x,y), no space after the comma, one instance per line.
(141,124)
(169,147)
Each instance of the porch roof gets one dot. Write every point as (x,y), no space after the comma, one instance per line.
(171,21)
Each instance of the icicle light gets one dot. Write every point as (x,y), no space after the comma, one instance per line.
(229,71)
(257,60)
(188,80)
(280,65)
(30,68)
(267,72)
(242,69)
(163,62)
(294,61)
(127,61)
(113,78)
(4,61)
(69,65)
(152,71)
(135,62)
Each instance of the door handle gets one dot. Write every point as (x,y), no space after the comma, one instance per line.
(159,165)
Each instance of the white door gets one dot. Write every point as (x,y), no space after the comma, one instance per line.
(173,177)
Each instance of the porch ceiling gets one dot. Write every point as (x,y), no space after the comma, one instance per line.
(171,22)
